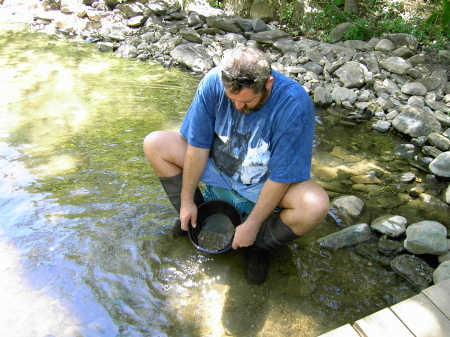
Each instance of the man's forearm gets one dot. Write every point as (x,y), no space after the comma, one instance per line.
(269,198)
(194,165)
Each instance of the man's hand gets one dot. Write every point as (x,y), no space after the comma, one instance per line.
(188,212)
(244,235)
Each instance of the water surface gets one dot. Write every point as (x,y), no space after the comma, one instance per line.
(86,230)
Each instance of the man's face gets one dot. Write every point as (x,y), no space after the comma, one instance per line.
(247,101)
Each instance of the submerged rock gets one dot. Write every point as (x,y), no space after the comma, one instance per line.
(346,237)
(414,269)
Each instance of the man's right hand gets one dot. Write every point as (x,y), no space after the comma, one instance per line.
(188,212)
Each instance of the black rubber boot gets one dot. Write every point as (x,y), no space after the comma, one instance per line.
(172,186)
(273,234)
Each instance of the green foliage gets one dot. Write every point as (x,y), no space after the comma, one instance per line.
(378,17)
(438,23)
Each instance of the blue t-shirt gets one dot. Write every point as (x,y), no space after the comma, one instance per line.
(273,142)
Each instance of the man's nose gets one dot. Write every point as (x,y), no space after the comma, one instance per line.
(239,105)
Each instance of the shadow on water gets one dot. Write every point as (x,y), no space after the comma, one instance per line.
(89,229)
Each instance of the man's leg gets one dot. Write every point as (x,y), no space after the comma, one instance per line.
(165,151)
(304,206)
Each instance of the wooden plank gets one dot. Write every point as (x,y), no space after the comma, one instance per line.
(439,295)
(343,331)
(383,323)
(421,317)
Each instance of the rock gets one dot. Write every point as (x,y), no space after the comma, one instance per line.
(446,195)
(430,83)
(322,97)
(433,208)
(352,74)
(222,24)
(193,56)
(402,39)
(391,225)
(381,126)
(357,45)
(437,106)
(346,237)
(414,269)
(441,165)
(346,210)
(338,32)
(270,36)
(385,45)
(426,237)
(442,272)
(415,122)
(340,95)
(439,141)
(366,179)
(388,247)
(414,88)
(126,51)
(191,35)
(396,65)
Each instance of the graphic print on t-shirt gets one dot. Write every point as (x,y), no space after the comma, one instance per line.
(234,155)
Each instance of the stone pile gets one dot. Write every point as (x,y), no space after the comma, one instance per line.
(387,80)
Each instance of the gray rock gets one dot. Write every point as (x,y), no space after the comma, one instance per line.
(414,269)
(345,210)
(131,10)
(389,247)
(126,51)
(223,24)
(338,32)
(322,97)
(357,45)
(258,25)
(430,83)
(381,126)
(437,106)
(414,88)
(313,67)
(192,56)
(385,45)
(287,47)
(340,95)
(270,36)
(440,166)
(442,272)
(190,35)
(232,40)
(439,141)
(418,102)
(446,195)
(396,65)
(346,237)
(403,52)
(417,59)
(391,225)
(415,122)
(402,39)
(194,19)
(426,237)
(352,74)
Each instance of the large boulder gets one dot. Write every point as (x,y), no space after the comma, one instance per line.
(193,56)
(440,166)
(416,122)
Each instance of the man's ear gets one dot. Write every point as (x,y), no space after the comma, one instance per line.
(269,83)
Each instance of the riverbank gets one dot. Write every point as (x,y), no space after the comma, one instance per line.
(390,82)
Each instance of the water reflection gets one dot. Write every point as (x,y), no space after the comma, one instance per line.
(90,230)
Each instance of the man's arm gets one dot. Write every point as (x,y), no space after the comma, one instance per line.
(269,198)
(194,165)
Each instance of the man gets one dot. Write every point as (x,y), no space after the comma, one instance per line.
(249,129)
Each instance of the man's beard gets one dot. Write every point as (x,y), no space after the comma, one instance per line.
(265,95)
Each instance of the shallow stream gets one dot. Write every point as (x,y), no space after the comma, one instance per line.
(86,231)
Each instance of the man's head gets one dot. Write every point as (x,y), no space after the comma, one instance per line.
(247,76)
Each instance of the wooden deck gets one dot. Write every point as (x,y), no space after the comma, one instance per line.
(424,315)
